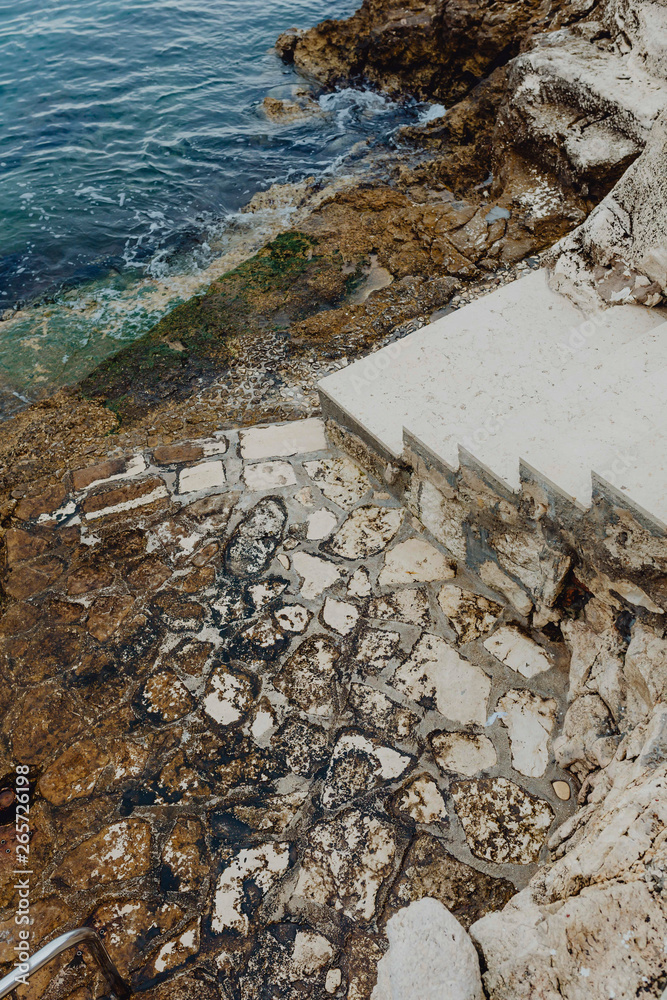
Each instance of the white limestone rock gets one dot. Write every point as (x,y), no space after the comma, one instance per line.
(530,720)
(280,440)
(317,574)
(340,480)
(463,753)
(340,616)
(320,524)
(205,476)
(646,666)
(518,651)
(430,957)
(502,822)
(415,561)
(422,800)
(470,614)
(495,577)
(269,475)
(366,532)
(589,739)
(434,671)
(409,606)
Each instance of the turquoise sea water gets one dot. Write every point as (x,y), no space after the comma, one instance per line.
(130,131)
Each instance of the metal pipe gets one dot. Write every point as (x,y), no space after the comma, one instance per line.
(82,935)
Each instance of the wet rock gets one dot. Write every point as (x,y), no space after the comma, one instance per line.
(345,862)
(46,719)
(317,574)
(228,696)
(422,800)
(123,923)
(177,611)
(172,454)
(306,747)
(530,720)
(434,675)
(366,532)
(430,956)
(121,851)
(276,813)
(518,651)
(176,951)
(149,575)
(292,617)
(150,495)
(106,615)
(409,606)
(255,540)
(374,710)
(74,774)
(463,753)
(246,878)
(191,656)
(502,822)
(340,480)
(358,764)
(164,698)
(263,640)
(309,678)
(429,869)
(27,579)
(469,614)
(415,561)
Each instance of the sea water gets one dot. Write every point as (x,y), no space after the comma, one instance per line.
(131,134)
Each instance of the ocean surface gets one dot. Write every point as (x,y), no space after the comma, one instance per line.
(131,133)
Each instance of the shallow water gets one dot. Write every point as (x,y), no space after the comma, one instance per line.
(131,132)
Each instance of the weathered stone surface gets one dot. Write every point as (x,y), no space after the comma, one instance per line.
(366,532)
(317,574)
(309,678)
(121,851)
(122,924)
(165,697)
(106,614)
(340,480)
(268,475)
(410,606)
(429,870)
(320,525)
(435,675)
(530,720)
(502,823)
(255,540)
(596,666)
(340,616)
(171,454)
(228,696)
(375,648)
(373,709)
(471,615)
(296,437)
(260,867)
(204,476)
(74,774)
(518,651)
(357,765)
(430,956)
(177,950)
(415,561)
(589,739)
(463,753)
(345,862)
(646,666)
(149,494)
(421,799)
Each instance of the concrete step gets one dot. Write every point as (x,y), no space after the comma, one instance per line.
(523,376)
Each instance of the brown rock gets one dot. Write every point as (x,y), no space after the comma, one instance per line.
(165,698)
(149,575)
(147,495)
(170,454)
(191,655)
(359,962)
(31,578)
(196,580)
(81,478)
(88,577)
(22,545)
(43,503)
(119,852)
(74,773)
(430,870)
(18,618)
(45,720)
(179,782)
(47,915)
(177,611)
(106,615)
(185,868)
(124,923)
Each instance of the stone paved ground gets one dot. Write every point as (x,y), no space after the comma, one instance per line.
(262,711)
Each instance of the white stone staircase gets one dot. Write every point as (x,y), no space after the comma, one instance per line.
(522,378)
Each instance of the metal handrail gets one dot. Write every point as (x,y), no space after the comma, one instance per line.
(82,935)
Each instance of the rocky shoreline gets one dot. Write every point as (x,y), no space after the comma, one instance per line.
(550,151)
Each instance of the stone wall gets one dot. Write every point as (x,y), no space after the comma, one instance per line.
(593,922)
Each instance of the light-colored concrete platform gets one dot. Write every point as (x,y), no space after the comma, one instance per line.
(523,375)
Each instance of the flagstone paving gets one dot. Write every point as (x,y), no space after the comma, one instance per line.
(262,711)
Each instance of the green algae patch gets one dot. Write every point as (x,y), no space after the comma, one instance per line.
(202,338)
